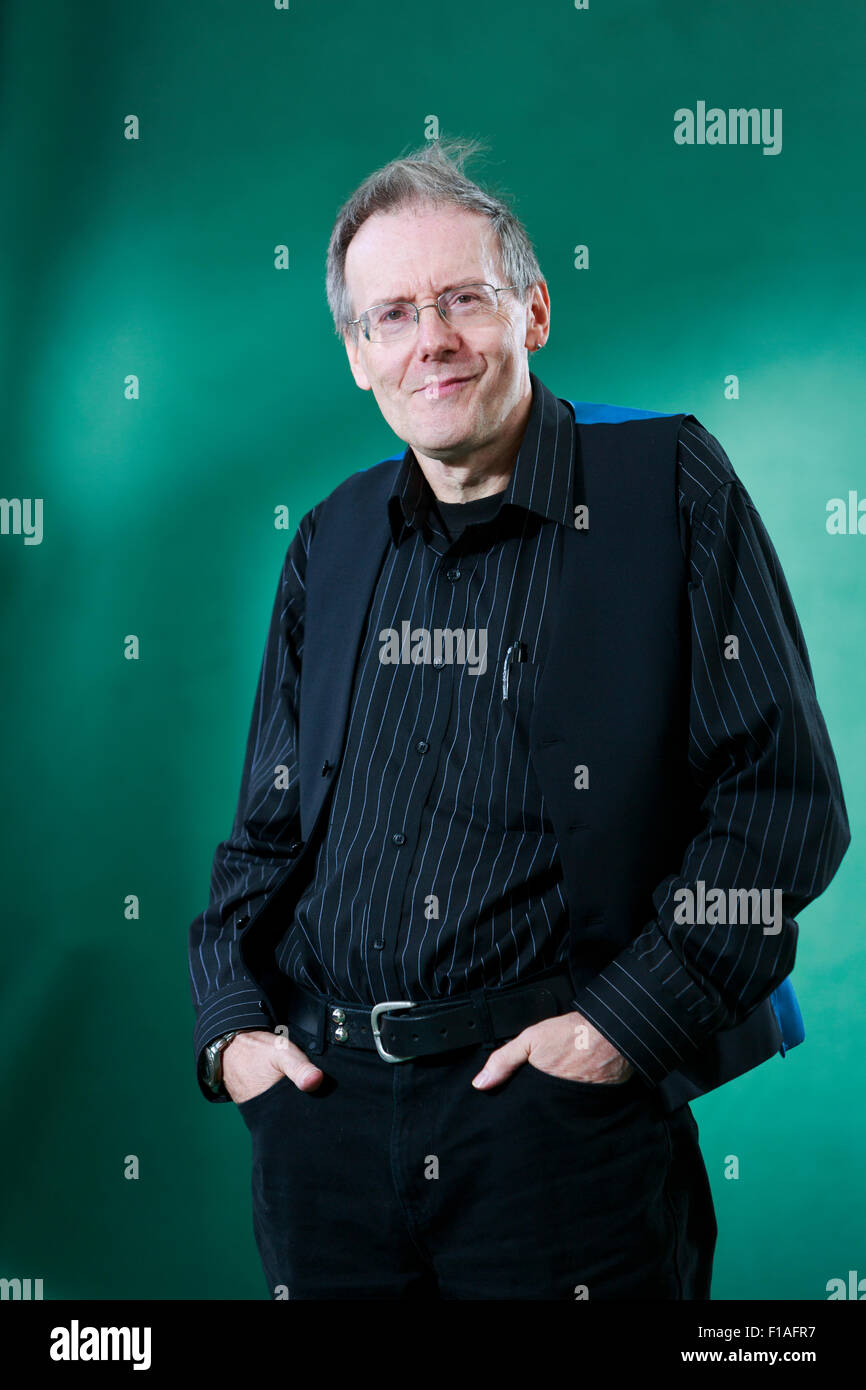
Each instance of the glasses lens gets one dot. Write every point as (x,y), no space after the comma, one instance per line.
(466,300)
(388,321)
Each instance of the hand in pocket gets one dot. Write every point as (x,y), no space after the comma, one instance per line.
(257,1060)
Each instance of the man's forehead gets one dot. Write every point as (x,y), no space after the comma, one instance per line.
(457,252)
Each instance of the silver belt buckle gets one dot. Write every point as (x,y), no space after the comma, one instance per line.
(378,1009)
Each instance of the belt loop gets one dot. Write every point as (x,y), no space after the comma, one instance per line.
(482,1008)
(317,1047)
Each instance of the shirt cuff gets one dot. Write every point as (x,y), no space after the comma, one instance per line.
(638,1010)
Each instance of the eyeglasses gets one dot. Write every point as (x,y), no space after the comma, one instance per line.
(385,323)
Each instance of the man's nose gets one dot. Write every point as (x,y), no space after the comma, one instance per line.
(433,331)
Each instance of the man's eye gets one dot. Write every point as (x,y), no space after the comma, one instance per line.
(391,315)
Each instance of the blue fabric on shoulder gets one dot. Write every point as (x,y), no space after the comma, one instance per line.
(591,413)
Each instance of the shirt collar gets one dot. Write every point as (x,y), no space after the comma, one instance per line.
(542,481)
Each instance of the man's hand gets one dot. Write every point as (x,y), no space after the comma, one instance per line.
(566,1045)
(256,1060)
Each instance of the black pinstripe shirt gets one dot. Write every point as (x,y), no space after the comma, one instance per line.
(438,870)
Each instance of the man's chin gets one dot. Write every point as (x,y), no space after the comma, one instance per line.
(430,435)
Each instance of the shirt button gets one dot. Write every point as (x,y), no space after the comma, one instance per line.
(438,661)
(422,746)
(378,945)
(452,574)
(399,838)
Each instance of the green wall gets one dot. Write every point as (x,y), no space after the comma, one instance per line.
(155,257)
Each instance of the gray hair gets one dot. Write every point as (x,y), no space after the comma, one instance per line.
(431,175)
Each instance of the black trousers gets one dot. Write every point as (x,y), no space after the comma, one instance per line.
(401,1181)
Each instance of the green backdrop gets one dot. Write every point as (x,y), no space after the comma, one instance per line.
(154,258)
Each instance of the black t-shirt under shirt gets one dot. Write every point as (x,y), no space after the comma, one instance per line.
(456,516)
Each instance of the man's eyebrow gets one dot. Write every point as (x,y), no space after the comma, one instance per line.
(454,284)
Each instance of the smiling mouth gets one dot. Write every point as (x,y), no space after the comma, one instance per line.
(434,388)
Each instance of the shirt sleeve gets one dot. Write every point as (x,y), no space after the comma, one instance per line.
(266,822)
(773,813)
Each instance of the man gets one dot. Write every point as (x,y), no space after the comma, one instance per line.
(535,725)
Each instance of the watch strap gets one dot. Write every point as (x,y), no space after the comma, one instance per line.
(212,1067)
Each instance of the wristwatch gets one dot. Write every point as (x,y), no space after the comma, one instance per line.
(212,1061)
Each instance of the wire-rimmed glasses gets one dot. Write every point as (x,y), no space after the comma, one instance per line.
(387,322)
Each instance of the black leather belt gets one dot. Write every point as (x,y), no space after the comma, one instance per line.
(400,1030)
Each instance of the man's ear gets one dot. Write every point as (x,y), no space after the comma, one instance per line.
(353,353)
(538,317)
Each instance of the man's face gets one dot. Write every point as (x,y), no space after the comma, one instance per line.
(415,254)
